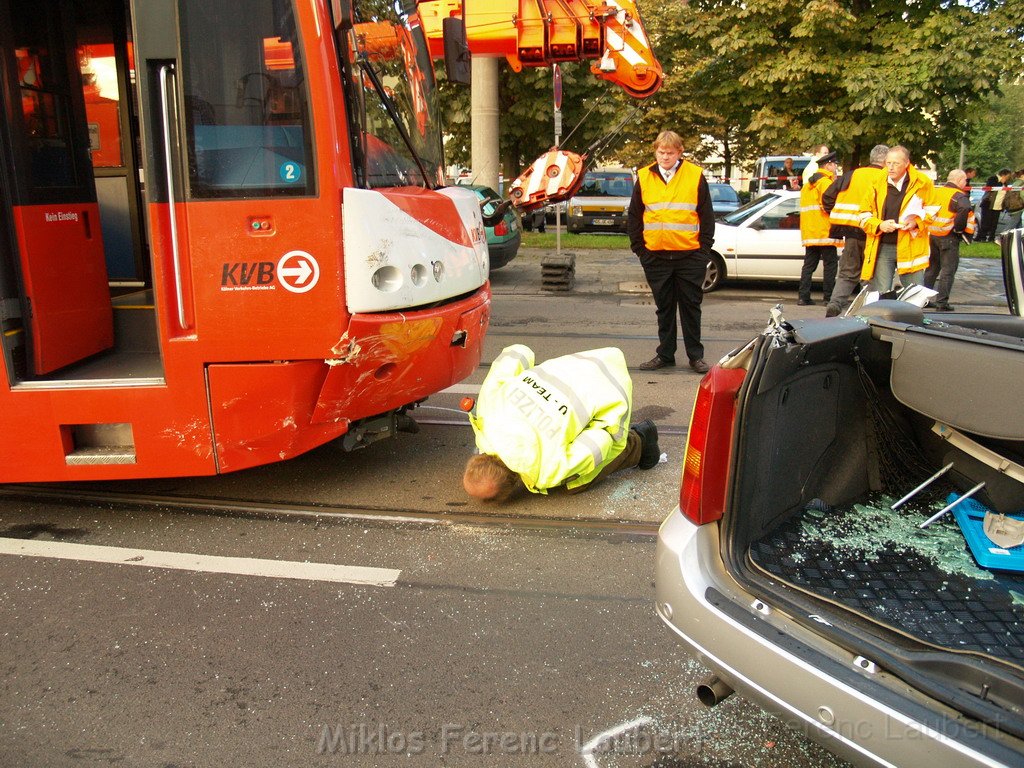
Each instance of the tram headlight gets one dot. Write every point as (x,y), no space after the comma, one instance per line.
(438,271)
(387,279)
(418,274)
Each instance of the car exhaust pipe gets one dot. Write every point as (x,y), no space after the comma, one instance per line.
(713,691)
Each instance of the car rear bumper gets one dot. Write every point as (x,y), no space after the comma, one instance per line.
(831,695)
(502,253)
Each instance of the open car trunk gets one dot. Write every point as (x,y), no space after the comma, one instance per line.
(840,418)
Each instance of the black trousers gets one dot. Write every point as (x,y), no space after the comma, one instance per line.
(677,285)
(987,228)
(942,266)
(828,256)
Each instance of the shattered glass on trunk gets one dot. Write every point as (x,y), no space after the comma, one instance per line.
(881,564)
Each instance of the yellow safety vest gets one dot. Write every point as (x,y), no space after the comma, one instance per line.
(847,211)
(942,221)
(670,210)
(912,250)
(814,222)
(557,423)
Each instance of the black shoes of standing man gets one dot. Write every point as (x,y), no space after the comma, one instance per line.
(657,362)
(650,453)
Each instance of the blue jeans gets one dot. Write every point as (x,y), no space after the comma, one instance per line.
(885,271)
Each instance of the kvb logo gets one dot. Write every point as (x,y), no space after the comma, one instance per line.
(298,272)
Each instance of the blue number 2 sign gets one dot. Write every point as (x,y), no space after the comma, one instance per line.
(290,172)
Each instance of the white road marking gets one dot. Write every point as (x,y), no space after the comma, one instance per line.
(587,750)
(461,389)
(190,561)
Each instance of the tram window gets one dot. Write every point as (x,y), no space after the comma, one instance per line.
(246,105)
(45,101)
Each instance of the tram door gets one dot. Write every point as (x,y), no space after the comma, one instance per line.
(50,197)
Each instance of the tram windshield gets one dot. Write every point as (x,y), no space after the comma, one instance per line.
(394,97)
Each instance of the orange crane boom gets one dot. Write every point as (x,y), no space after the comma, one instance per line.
(536,33)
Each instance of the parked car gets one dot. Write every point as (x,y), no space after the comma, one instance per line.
(759,241)
(724,199)
(786,568)
(504,237)
(602,202)
(534,220)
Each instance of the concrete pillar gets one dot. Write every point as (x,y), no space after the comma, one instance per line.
(484,121)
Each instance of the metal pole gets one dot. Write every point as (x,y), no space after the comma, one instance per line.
(948,507)
(921,487)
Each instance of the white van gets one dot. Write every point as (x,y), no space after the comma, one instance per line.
(769,169)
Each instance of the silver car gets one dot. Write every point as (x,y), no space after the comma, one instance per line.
(802,579)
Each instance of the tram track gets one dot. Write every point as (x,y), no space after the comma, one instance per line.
(324,514)
(674,430)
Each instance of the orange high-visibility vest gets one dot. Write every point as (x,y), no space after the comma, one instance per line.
(942,221)
(847,211)
(671,222)
(814,222)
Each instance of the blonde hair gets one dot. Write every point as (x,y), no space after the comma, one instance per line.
(487,478)
(668,139)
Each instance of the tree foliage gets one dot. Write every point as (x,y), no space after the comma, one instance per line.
(991,135)
(785,75)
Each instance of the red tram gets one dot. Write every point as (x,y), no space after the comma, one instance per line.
(221,238)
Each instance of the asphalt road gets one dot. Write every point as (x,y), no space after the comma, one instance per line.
(155,636)
(492,647)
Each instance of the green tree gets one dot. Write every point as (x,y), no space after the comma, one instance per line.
(526,120)
(788,74)
(992,136)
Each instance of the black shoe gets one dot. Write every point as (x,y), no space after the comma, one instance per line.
(650,453)
(832,310)
(700,366)
(945,308)
(805,303)
(656,363)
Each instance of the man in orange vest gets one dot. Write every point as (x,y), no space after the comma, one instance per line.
(819,245)
(671,226)
(842,201)
(953,219)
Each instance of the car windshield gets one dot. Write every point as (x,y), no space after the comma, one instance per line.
(723,193)
(752,208)
(607,185)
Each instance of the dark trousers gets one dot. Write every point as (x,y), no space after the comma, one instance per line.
(629,457)
(826,254)
(848,281)
(677,285)
(987,228)
(942,265)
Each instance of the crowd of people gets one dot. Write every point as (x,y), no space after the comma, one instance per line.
(896,226)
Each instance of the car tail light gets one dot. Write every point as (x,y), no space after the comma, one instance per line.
(708,445)
(501,228)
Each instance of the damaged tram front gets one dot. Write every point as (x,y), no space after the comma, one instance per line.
(223,237)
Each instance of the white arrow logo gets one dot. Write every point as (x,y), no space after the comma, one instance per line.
(298,272)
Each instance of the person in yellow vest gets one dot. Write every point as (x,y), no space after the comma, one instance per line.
(538,426)
(671,227)
(894,220)
(842,201)
(953,219)
(819,245)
